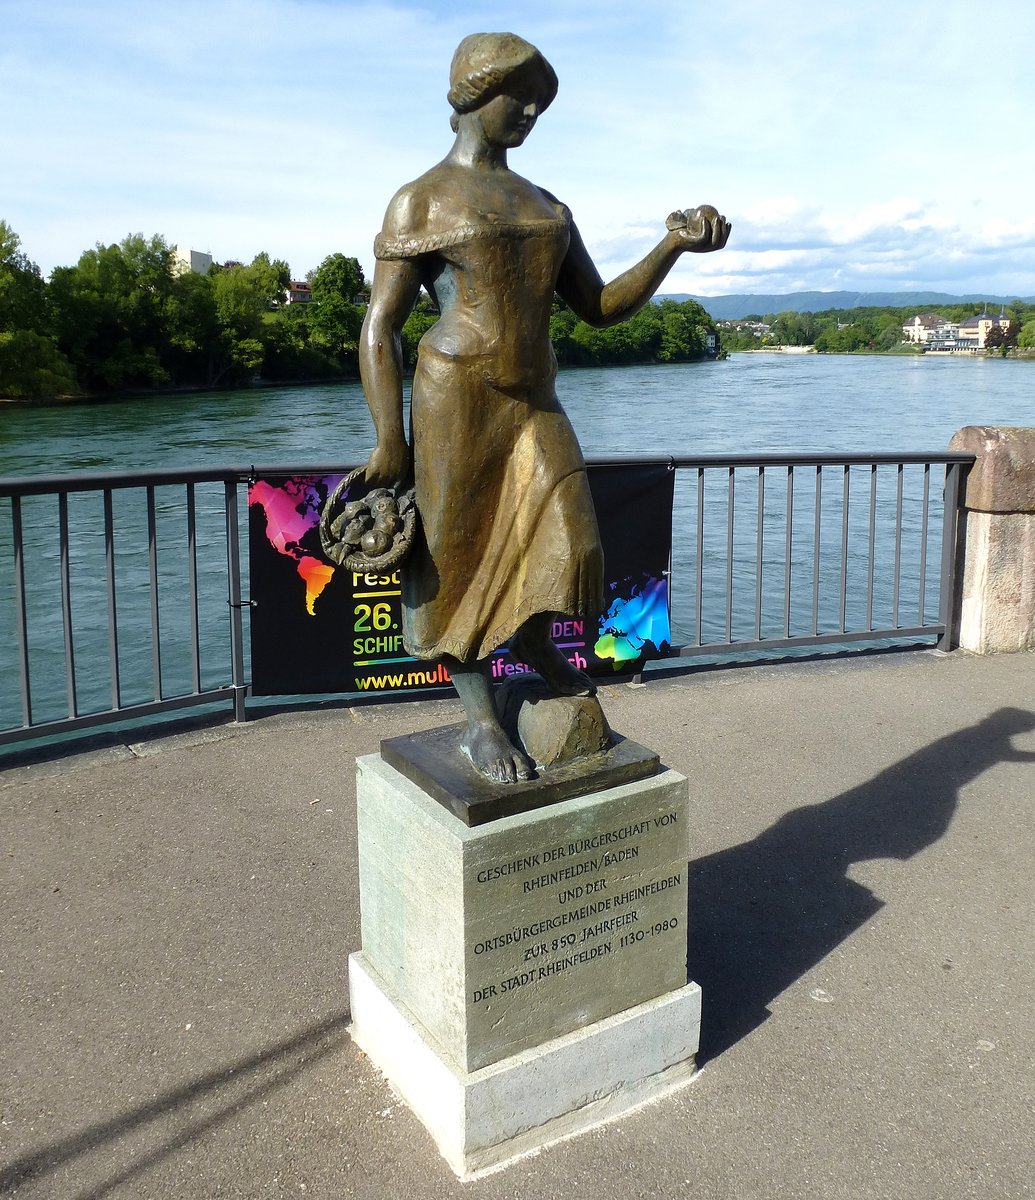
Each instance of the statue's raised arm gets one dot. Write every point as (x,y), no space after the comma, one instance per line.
(694,231)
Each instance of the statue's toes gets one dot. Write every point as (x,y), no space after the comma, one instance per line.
(512,767)
(522,767)
(494,756)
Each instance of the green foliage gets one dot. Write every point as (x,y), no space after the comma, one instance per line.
(846,331)
(417,325)
(664,332)
(1019,312)
(841,339)
(684,331)
(740,335)
(336,277)
(31,365)
(110,313)
(23,300)
(240,305)
(562,328)
(794,329)
(33,368)
(192,329)
(289,353)
(122,318)
(125,318)
(270,279)
(334,318)
(869,333)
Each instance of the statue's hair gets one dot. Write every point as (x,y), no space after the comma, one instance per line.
(485,62)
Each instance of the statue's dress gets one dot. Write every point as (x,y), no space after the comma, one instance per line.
(507,517)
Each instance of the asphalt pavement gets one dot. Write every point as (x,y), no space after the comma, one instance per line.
(177,913)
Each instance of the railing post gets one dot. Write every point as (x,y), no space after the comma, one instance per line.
(152,569)
(20,611)
(233,564)
(65,577)
(950,534)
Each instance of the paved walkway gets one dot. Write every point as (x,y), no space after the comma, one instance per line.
(177,915)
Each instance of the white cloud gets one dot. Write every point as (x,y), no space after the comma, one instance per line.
(870,147)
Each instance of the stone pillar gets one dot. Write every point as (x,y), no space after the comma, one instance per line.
(997,600)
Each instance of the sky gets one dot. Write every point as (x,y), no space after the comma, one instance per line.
(867,146)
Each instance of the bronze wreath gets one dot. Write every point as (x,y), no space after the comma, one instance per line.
(371,533)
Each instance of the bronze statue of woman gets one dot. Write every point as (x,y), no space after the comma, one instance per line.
(509,537)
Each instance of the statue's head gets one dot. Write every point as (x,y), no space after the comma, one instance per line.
(487,64)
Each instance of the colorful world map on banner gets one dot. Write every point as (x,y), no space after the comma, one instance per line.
(292,510)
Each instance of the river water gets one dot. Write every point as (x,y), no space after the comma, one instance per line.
(752,403)
(749,403)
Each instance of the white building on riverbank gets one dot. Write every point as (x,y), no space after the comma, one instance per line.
(935,332)
(931,330)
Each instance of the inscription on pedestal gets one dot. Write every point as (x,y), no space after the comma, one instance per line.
(501,937)
(587,918)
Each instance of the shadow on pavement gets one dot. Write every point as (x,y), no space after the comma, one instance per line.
(219,1095)
(764,912)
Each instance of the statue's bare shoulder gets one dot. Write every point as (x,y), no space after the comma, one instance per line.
(407,212)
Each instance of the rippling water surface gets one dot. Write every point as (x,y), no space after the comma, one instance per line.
(752,402)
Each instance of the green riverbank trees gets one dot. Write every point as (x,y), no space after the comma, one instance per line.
(127,317)
(665,332)
(851,330)
(31,365)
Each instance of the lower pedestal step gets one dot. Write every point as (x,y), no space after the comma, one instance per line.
(482,1119)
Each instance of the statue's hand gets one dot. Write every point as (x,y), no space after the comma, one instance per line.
(699,230)
(389,465)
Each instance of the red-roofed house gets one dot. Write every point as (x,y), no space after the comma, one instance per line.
(298,292)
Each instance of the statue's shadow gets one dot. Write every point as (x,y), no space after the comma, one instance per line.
(764,912)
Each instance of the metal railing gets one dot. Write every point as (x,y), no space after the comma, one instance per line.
(135,607)
(798,550)
(120,580)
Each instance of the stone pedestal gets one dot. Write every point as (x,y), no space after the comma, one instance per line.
(997,591)
(523,979)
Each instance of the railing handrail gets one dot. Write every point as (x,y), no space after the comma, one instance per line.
(83,481)
(86,481)
(776,459)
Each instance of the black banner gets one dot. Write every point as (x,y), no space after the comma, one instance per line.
(319,628)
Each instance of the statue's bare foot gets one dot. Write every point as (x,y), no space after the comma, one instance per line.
(489,748)
(559,675)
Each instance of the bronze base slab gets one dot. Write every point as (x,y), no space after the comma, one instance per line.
(434,761)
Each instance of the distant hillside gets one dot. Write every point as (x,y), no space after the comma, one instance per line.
(731,308)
